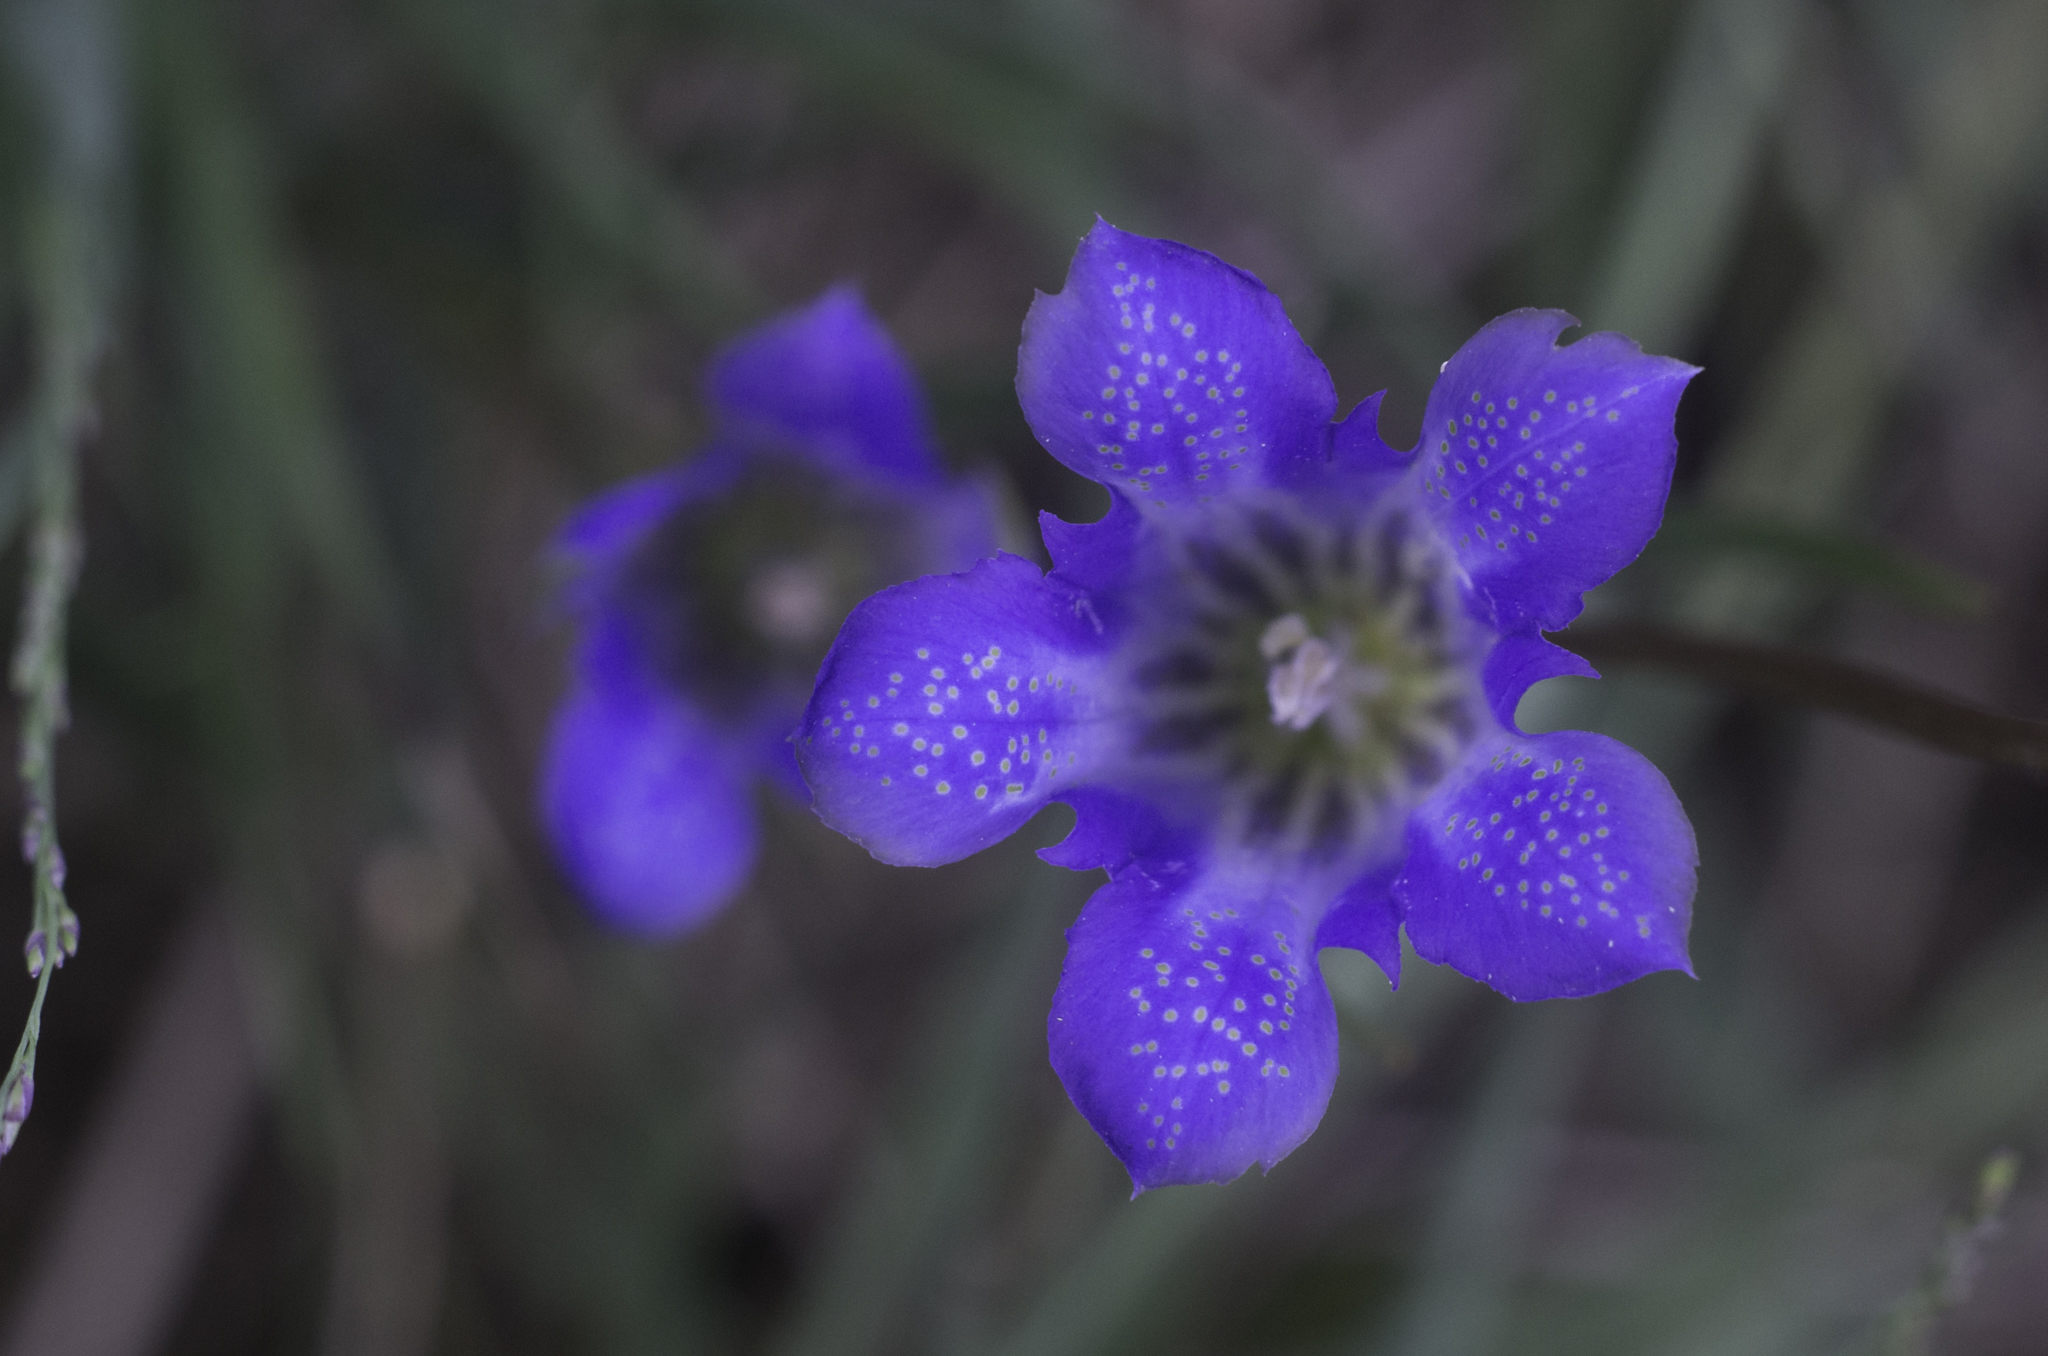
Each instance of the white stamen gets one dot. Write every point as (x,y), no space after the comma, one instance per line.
(1302,687)
(1310,675)
(1283,635)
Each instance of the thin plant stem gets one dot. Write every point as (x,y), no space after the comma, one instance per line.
(1826,684)
(68,252)
(1952,1272)
(38,676)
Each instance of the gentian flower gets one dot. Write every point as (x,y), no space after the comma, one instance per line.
(706,594)
(1277,683)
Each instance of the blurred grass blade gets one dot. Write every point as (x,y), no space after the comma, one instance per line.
(1861,562)
(1095,1299)
(1898,247)
(1825,684)
(1035,141)
(65,53)
(1459,1300)
(1677,228)
(516,60)
(1802,447)
(918,1193)
(263,495)
(16,465)
(269,411)
(1749,1280)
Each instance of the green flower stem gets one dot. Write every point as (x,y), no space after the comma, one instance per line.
(1826,684)
(70,329)
(62,53)
(1953,1271)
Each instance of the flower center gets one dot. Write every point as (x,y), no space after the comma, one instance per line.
(1318,676)
(738,596)
(790,601)
(1310,676)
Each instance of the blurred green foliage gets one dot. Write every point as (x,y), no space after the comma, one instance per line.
(382,290)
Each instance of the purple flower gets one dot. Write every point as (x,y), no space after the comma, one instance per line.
(1277,683)
(705,596)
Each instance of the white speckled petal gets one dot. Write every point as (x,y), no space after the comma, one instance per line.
(1191,1026)
(1169,375)
(1545,468)
(951,708)
(1555,866)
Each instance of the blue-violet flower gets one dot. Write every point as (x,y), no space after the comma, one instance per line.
(705,596)
(1277,683)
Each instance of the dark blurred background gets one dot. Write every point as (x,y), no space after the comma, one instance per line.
(385,289)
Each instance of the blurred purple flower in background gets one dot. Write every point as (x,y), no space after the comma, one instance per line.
(1277,683)
(705,596)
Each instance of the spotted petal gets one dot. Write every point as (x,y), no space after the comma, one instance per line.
(1554,866)
(827,383)
(1163,372)
(1545,468)
(647,807)
(1191,1026)
(951,708)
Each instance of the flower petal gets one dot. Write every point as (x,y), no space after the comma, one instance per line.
(1160,370)
(1545,468)
(1366,918)
(1518,663)
(1098,556)
(1114,826)
(1360,465)
(596,543)
(1191,1026)
(649,814)
(1556,865)
(826,382)
(951,708)
(614,520)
